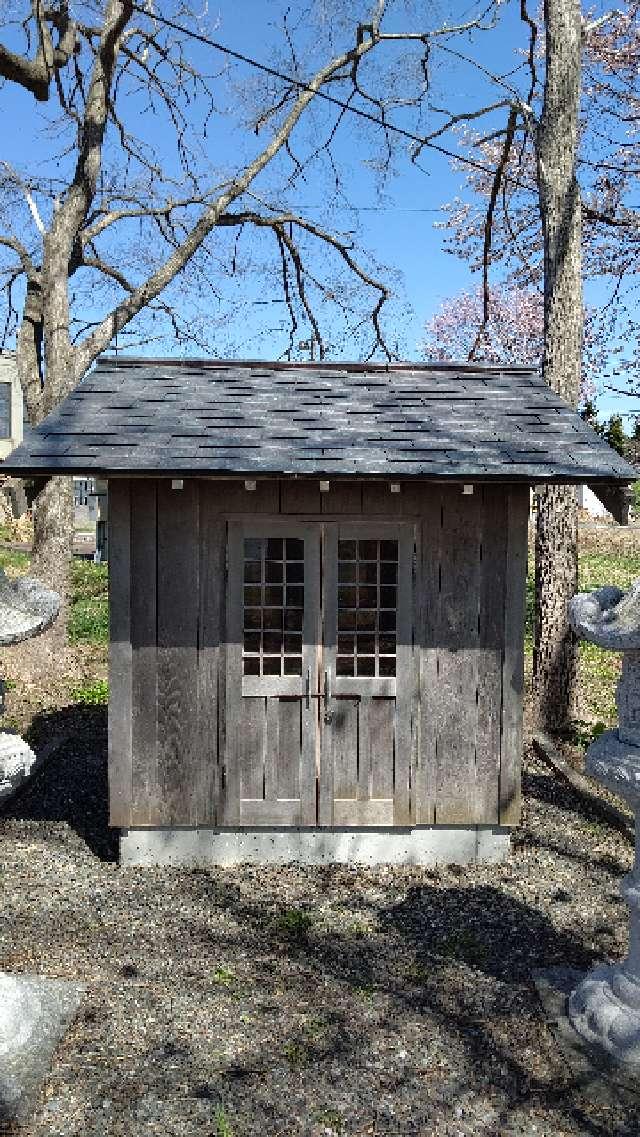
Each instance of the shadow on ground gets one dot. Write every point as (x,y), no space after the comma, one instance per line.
(72,785)
(448,962)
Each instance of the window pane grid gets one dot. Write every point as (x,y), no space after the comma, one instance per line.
(273,606)
(367,606)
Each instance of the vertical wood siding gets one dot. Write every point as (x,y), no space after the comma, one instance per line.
(210,708)
(120,657)
(178,607)
(147,794)
(460,761)
(513,657)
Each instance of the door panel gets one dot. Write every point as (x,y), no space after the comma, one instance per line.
(319,690)
(272,661)
(366,721)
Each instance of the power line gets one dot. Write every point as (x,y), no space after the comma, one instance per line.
(302,86)
(373,208)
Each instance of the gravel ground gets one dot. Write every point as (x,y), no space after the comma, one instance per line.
(296,1001)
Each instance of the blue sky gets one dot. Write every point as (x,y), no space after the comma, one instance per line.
(397,227)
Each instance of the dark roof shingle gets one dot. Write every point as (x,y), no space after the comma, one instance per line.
(169,416)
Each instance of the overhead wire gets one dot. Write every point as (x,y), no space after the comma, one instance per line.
(421,140)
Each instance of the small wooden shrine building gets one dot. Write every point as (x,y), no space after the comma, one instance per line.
(317,579)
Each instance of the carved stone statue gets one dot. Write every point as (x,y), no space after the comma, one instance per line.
(26,609)
(605,1007)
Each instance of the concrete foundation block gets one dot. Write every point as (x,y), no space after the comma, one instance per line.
(423,845)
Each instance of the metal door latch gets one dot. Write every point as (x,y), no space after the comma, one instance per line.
(328,714)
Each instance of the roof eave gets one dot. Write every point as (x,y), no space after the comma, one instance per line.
(76,469)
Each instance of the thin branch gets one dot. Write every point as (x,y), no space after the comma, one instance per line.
(22,252)
(286,288)
(531,56)
(488,225)
(294,253)
(631,221)
(455,119)
(106,269)
(279,224)
(28,196)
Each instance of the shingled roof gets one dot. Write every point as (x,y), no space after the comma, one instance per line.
(181,417)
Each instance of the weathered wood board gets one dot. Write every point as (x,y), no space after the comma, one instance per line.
(450,752)
(120,657)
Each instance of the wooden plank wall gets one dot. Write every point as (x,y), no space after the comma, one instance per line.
(166,720)
(120,657)
(165,585)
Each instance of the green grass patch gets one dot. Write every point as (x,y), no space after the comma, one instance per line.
(222,1123)
(91,694)
(16,561)
(599,669)
(223,976)
(293,922)
(596,569)
(89,612)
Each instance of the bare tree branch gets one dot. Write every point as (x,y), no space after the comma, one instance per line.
(158,280)
(488,226)
(22,252)
(279,224)
(28,196)
(35,74)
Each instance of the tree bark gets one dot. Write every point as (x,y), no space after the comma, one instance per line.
(47,655)
(555,659)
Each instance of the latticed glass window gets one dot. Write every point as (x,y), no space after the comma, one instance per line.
(273,605)
(367,608)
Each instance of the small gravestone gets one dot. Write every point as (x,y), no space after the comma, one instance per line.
(34,1012)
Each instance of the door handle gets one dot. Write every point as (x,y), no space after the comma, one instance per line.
(328,714)
(307,689)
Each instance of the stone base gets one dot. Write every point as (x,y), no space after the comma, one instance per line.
(24,1066)
(615,763)
(424,845)
(605,1010)
(604,1079)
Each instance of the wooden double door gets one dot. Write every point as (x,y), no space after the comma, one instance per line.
(319,674)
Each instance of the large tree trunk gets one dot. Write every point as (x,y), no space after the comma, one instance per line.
(555,647)
(53,508)
(46,656)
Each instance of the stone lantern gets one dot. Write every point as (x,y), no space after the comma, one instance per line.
(32,1010)
(605,1007)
